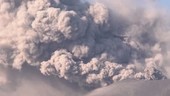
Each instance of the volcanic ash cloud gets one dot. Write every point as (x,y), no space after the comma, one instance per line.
(83,42)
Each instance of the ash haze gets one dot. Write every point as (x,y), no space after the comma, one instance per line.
(71,47)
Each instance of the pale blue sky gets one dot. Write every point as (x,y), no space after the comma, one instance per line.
(165,3)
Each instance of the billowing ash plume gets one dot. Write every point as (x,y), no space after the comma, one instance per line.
(81,42)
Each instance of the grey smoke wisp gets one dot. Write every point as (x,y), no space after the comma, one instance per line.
(30,82)
(87,43)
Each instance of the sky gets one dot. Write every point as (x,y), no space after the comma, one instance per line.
(165,3)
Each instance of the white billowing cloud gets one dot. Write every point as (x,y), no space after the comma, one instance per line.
(87,43)
(62,62)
